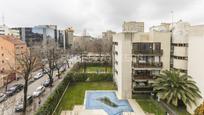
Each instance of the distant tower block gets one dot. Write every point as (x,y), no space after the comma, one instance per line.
(133,26)
(69,37)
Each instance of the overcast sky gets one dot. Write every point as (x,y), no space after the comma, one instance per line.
(99,15)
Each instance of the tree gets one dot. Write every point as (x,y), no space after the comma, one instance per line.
(28,62)
(58,62)
(50,55)
(200,109)
(175,88)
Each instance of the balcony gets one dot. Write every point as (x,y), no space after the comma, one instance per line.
(145,89)
(148,52)
(143,77)
(148,65)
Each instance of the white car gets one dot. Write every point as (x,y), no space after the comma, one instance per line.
(38,75)
(38,91)
(2,97)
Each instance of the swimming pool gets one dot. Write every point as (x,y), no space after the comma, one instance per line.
(108,101)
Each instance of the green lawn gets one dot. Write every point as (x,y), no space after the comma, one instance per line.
(149,105)
(94,69)
(75,93)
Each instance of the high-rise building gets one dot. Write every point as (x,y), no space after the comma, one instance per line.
(69,37)
(38,34)
(138,58)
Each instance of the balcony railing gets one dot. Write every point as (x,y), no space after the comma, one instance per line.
(148,65)
(148,52)
(143,77)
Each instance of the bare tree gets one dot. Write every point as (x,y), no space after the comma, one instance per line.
(50,55)
(28,62)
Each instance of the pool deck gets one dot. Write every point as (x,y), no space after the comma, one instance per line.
(81,110)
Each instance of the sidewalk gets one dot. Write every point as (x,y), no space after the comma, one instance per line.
(45,96)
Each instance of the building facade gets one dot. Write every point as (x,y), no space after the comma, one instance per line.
(108,35)
(137,58)
(4,30)
(187,43)
(69,37)
(10,49)
(133,26)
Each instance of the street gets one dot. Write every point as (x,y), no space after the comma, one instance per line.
(8,107)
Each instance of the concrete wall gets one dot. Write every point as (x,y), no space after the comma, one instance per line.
(195,64)
(124,67)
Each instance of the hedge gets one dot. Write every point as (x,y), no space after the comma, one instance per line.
(50,104)
(72,76)
(91,77)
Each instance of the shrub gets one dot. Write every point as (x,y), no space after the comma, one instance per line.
(79,77)
(100,77)
(200,110)
(50,104)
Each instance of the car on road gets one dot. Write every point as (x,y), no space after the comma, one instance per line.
(40,90)
(2,97)
(46,83)
(14,89)
(19,106)
(38,75)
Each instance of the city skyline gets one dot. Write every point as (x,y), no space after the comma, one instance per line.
(98,16)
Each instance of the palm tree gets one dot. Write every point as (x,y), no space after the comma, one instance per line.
(173,87)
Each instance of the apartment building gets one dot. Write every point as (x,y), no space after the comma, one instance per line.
(10,49)
(187,48)
(108,35)
(5,30)
(137,58)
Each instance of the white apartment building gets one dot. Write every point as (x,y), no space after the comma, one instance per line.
(137,58)
(4,30)
(188,53)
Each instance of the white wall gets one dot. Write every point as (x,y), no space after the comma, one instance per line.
(196,63)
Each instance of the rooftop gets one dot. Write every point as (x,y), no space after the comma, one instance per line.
(11,39)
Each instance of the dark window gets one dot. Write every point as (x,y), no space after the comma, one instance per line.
(157,46)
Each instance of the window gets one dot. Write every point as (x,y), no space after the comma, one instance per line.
(2,54)
(116,53)
(181,45)
(180,57)
(157,46)
(2,61)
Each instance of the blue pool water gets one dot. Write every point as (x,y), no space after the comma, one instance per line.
(93,102)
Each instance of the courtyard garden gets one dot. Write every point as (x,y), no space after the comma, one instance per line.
(76,92)
(149,105)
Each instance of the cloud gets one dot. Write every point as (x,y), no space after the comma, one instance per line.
(99,15)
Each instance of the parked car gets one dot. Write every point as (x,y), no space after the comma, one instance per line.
(2,97)
(46,83)
(38,91)
(19,106)
(38,75)
(14,89)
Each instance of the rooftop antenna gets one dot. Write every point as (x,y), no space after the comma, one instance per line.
(3,19)
(172,17)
